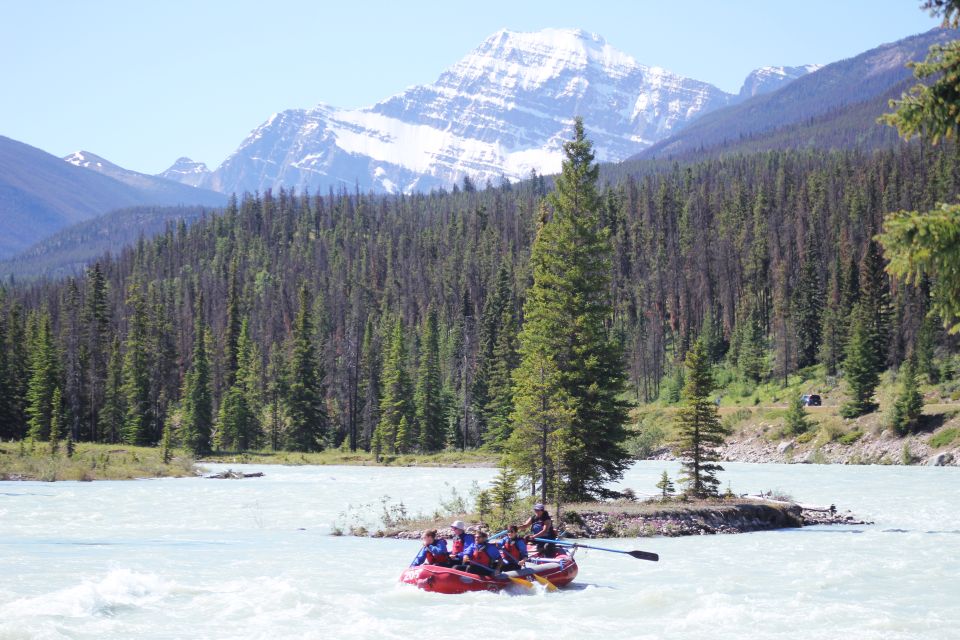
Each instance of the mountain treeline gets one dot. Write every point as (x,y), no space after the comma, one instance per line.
(390,323)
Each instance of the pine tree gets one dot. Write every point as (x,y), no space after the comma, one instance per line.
(875,298)
(834,328)
(306,407)
(233,328)
(666,486)
(44,376)
(16,374)
(56,421)
(96,320)
(541,407)
(111,419)
(395,404)
(796,419)
(166,441)
(238,424)
(197,427)
(369,392)
(430,418)
(503,490)
(566,319)
(750,345)
(698,426)
(859,367)
(276,392)
(808,305)
(500,387)
(908,406)
(137,373)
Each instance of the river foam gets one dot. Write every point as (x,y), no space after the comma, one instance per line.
(195,558)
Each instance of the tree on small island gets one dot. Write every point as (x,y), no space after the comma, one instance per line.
(698,423)
(666,486)
(504,490)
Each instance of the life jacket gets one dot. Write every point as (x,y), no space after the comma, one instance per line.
(538,529)
(512,549)
(438,558)
(480,555)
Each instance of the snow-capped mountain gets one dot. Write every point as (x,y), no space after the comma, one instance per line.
(503,110)
(161,188)
(186,171)
(767,79)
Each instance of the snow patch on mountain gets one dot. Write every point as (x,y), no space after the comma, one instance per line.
(767,79)
(186,171)
(503,110)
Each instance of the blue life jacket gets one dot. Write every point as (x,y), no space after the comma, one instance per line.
(435,553)
(513,550)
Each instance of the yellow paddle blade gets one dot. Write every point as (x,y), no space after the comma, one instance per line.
(523,583)
(549,585)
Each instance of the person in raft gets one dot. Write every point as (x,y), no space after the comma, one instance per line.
(513,550)
(541,526)
(434,550)
(482,557)
(461,540)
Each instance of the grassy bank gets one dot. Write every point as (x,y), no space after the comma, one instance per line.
(89,462)
(358,458)
(759,411)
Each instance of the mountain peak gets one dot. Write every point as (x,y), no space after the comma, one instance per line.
(186,171)
(88,160)
(771,78)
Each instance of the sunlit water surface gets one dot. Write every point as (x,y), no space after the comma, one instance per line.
(254,558)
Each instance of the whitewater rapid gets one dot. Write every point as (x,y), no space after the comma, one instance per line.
(254,558)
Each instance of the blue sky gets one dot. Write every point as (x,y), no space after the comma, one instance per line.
(142,83)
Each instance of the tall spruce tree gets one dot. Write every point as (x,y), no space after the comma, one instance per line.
(500,385)
(908,406)
(808,305)
(112,416)
(860,364)
(698,426)
(13,422)
(395,403)
(542,408)
(137,373)
(96,320)
(566,321)
(306,395)
(875,299)
(198,391)
(44,377)
(369,385)
(238,421)
(56,421)
(430,418)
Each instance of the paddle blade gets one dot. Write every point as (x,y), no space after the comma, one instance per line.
(549,585)
(523,583)
(644,555)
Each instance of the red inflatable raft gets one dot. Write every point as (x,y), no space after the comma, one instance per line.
(559,570)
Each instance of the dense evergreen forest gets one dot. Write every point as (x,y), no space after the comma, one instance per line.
(390,323)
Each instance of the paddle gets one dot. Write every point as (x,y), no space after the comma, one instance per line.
(499,576)
(549,585)
(639,555)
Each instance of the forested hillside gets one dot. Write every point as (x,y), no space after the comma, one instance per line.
(295,320)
